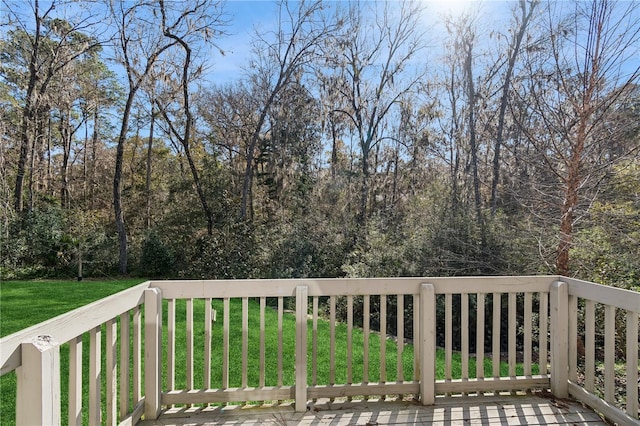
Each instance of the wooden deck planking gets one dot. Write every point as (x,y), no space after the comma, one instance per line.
(450,411)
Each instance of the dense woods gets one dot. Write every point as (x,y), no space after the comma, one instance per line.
(362,139)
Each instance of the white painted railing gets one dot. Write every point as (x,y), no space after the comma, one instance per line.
(595,307)
(209,342)
(112,329)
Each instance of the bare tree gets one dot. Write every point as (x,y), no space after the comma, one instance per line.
(466,40)
(142,30)
(573,90)
(205,27)
(522,22)
(49,48)
(372,61)
(278,63)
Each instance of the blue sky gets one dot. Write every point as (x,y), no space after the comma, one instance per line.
(246,15)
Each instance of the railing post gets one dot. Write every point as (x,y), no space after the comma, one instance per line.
(152,353)
(559,339)
(38,382)
(302,292)
(632,361)
(428,344)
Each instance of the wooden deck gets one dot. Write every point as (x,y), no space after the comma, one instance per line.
(143,340)
(450,411)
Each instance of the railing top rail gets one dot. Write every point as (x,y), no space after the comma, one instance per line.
(618,297)
(71,324)
(186,289)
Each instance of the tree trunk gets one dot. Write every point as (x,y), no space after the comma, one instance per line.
(504,100)
(566,219)
(65,135)
(27,118)
(471,95)
(572,184)
(334,147)
(117,178)
(364,192)
(92,173)
(27,113)
(149,160)
(253,142)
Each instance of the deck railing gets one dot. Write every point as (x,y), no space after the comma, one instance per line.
(206,342)
(113,329)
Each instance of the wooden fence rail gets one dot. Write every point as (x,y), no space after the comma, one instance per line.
(209,341)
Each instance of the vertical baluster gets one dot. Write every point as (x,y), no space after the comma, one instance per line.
(366,308)
(171,344)
(245,340)
(480,335)
(208,326)
(314,354)
(495,335)
(280,350)
(263,304)
(302,308)
(513,323)
(383,338)
(137,355)
(464,335)
(448,335)
(632,364)
(543,324)
(225,342)
(590,345)
(112,371)
(559,298)
(416,337)
(428,342)
(609,353)
(400,345)
(124,363)
(75,381)
(189,312)
(95,343)
(152,353)
(528,314)
(573,338)
(332,340)
(349,339)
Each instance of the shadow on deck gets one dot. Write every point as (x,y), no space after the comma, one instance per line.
(522,409)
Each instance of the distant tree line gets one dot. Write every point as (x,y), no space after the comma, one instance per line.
(347,147)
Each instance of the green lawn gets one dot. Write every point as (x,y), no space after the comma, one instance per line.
(26,303)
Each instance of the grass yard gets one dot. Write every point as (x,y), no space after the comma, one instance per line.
(26,303)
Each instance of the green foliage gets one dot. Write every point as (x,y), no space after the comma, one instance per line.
(378,254)
(306,172)
(49,241)
(305,248)
(607,248)
(39,244)
(157,259)
(227,254)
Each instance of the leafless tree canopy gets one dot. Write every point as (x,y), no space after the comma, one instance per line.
(358,139)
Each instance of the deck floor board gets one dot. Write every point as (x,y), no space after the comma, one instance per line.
(449,411)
